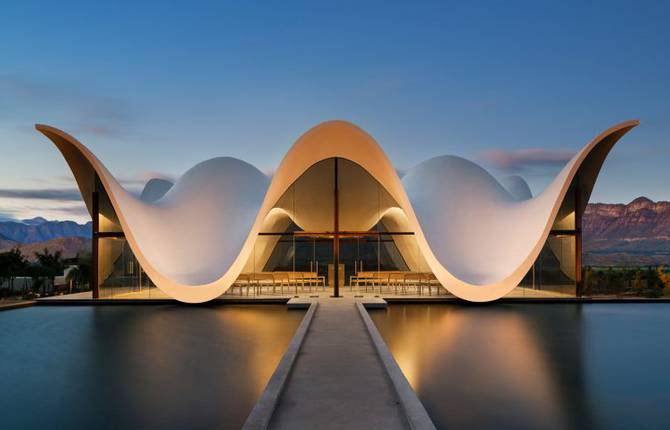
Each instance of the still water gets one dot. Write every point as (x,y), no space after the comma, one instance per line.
(530,366)
(138,366)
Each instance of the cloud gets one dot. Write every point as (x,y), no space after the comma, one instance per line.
(7,216)
(77,211)
(63,195)
(135,184)
(45,211)
(61,203)
(12,210)
(138,180)
(27,101)
(523,159)
(151,174)
(63,190)
(268,171)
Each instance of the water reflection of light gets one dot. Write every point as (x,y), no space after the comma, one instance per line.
(172,364)
(473,364)
(260,328)
(253,335)
(412,339)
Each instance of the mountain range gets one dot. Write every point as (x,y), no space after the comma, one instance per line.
(68,246)
(627,234)
(36,234)
(38,229)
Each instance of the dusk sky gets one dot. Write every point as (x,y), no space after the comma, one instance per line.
(153,89)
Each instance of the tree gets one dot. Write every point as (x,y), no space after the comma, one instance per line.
(664,276)
(12,264)
(50,265)
(637,282)
(611,282)
(587,281)
(653,284)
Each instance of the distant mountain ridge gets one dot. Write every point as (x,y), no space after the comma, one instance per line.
(633,233)
(41,230)
(68,246)
(34,221)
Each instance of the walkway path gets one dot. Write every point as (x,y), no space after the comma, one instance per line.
(338,380)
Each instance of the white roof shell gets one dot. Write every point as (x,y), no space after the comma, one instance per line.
(478,238)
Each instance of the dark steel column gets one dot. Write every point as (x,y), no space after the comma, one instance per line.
(578,243)
(336,236)
(95,209)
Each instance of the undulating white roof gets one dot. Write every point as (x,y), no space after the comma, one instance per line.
(477,236)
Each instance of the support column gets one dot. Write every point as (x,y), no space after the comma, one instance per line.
(95,209)
(578,243)
(336,235)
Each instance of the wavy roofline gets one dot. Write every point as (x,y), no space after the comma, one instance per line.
(345,140)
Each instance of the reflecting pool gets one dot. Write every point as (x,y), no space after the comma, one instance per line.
(530,366)
(118,367)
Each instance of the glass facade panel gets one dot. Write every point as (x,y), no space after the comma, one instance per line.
(287,264)
(108,222)
(309,201)
(362,200)
(295,251)
(359,256)
(565,219)
(120,274)
(554,273)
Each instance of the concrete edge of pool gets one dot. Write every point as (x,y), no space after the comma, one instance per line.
(261,414)
(303,303)
(50,301)
(16,305)
(415,413)
(538,300)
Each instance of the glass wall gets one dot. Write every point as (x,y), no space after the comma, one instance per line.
(292,253)
(296,248)
(555,272)
(120,274)
(108,222)
(387,262)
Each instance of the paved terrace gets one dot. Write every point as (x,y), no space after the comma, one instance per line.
(156,294)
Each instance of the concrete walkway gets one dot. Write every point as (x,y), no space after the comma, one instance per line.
(338,380)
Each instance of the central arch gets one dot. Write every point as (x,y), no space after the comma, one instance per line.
(336,211)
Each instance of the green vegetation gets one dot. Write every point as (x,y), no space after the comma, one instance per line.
(648,281)
(12,265)
(21,278)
